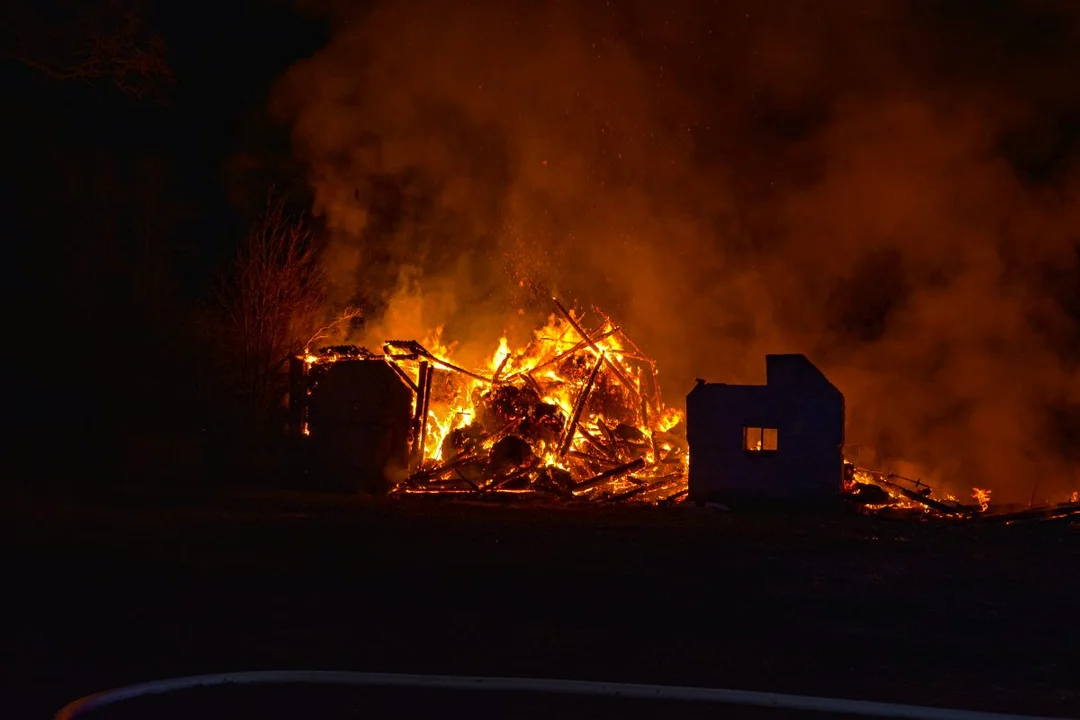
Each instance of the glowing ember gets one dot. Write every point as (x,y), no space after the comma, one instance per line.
(875,490)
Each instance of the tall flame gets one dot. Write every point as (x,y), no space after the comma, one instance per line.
(583,401)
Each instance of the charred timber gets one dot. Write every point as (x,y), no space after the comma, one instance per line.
(412,347)
(580,345)
(675,497)
(579,406)
(498,370)
(924,500)
(671,457)
(475,488)
(406,350)
(609,436)
(531,381)
(528,492)
(427,404)
(656,484)
(589,457)
(596,443)
(415,349)
(608,476)
(457,368)
(433,472)
(404,377)
(619,372)
(919,486)
(418,424)
(499,483)
(654,386)
(653,397)
(345,352)
(1053,512)
(428,490)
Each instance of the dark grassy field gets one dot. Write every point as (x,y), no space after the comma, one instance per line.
(105,594)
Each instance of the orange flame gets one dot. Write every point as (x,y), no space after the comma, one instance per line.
(619,420)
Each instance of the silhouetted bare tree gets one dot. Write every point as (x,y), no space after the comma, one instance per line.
(274,302)
(93,40)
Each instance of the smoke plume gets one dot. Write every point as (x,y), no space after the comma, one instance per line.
(886,187)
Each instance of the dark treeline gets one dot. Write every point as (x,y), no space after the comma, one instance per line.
(128,136)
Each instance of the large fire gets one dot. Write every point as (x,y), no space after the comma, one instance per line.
(576,412)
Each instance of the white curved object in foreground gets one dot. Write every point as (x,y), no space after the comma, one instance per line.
(531,685)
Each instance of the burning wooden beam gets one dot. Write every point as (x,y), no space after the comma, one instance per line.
(923,499)
(498,483)
(595,442)
(608,476)
(609,436)
(619,372)
(581,344)
(418,424)
(404,376)
(429,490)
(427,406)
(467,481)
(579,406)
(547,412)
(656,484)
(411,350)
(1052,512)
(533,383)
(589,457)
(427,474)
(652,397)
(457,368)
(415,350)
(498,370)
(676,496)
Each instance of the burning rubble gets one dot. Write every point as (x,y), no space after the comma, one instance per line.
(575,413)
(888,493)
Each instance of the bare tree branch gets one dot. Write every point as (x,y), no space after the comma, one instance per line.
(322,333)
(274,300)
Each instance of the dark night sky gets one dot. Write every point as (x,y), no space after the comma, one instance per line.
(81,155)
(226,64)
(227,59)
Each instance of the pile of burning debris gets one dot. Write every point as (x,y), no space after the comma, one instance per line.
(576,413)
(886,493)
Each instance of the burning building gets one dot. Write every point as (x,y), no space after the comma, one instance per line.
(575,413)
(779,441)
(358,422)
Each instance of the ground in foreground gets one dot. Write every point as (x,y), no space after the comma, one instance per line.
(835,605)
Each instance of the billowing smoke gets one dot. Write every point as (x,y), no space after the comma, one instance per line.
(885,187)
